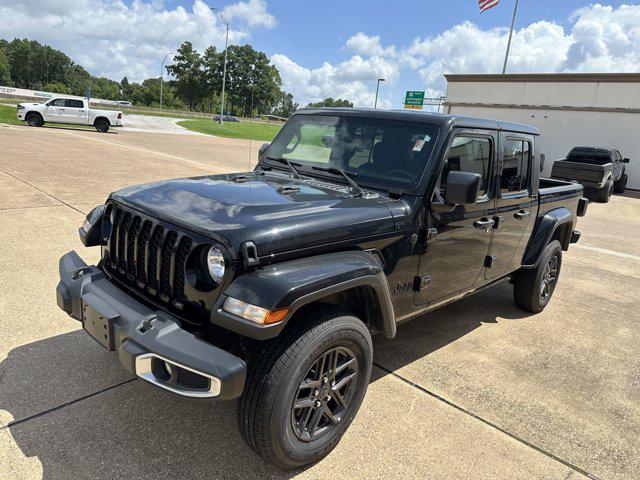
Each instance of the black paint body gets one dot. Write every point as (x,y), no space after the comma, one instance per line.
(311,237)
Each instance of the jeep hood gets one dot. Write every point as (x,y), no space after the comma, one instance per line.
(277,213)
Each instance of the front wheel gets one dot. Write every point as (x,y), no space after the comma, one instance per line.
(305,387)
(34,119)
(620,185)
(533,288)
(604,194)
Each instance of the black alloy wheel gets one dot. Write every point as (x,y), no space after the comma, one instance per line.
(549,279)
(324,394)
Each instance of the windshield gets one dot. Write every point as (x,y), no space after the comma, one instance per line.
(382,153)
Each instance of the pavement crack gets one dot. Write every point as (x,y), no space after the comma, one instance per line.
(64,405)
(486,422)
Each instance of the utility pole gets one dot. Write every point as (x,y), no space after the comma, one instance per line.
(513,22)
(162,75)
(375,105)
(224,69)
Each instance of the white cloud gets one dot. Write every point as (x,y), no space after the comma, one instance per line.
(353,79)
(364,44)
(110,38)
(252,13)
(598,39)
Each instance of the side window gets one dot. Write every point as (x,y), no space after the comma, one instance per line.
(516,161)
(58,102)
(468,154)
(71,103)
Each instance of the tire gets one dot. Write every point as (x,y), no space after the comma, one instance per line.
(620,185)
(101,126)
(34,119)
(604,194)
(529,290)
(268,420)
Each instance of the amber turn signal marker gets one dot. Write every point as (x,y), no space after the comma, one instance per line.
(276,316)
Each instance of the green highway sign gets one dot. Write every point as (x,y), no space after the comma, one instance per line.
(414,100)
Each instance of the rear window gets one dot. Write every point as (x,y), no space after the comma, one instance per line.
(593,157)
(71,103)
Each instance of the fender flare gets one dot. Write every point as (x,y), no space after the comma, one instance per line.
(296,283)
(106,119)
(544,230)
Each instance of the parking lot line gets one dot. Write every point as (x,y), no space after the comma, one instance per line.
(584,246)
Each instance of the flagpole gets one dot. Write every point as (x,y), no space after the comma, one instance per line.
(513,22)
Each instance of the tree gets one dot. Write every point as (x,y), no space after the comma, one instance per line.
(330,102)
(56,87)
(285,106)
(187,69)
(253,84)
(5,70)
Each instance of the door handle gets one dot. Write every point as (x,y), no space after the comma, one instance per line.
(521,214)
(484,223)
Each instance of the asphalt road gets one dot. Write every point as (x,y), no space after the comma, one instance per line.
(479,389)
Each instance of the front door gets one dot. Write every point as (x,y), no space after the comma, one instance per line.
(459,240)
(55,110)
(514,204)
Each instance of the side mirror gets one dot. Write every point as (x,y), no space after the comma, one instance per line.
(543,158)
(462,188)
(263,148)
(625,160)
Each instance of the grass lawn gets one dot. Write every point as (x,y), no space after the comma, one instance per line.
(247,130)
(8,115)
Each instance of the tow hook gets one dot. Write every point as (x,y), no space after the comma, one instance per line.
(147,322)
(80,272)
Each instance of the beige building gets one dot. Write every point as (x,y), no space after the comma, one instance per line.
(570,109)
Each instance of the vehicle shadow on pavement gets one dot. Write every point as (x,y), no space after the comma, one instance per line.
(424,335)
(110,426)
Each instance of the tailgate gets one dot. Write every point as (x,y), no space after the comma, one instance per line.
(583,172)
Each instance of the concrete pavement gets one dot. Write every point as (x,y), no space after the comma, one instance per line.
(478,389)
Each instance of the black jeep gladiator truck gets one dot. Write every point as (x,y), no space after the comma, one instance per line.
(600,170)
(266,286)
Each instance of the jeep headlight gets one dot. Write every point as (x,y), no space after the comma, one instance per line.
(215,264)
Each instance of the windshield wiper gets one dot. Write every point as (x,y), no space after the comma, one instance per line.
(347,176)
(289,164)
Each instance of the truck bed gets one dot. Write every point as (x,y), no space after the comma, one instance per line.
(581,172)
(553,192)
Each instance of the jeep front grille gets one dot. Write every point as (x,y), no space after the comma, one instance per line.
(153,259)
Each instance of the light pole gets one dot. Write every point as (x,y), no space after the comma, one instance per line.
(224,69)
(162,75)
(375,105)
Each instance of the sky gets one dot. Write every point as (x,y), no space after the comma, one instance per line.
(340,48)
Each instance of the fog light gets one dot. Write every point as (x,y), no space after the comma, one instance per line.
(253,312)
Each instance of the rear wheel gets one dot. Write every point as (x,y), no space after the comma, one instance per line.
(620,185)
(533,288)
(34,119)
(305,387)
(101,126)
(604,194)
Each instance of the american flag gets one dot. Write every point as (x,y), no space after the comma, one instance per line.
(487,4)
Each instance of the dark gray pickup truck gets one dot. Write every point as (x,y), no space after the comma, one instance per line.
(266,286)
(599,170)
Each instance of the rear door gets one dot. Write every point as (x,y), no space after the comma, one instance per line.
(74,111)
(453,260)
(514,203)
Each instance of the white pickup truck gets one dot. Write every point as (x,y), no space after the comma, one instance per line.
(74,111)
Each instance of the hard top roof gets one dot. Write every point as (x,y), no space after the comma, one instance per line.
(439,119)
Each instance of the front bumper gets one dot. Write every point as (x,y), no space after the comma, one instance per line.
(146,340)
